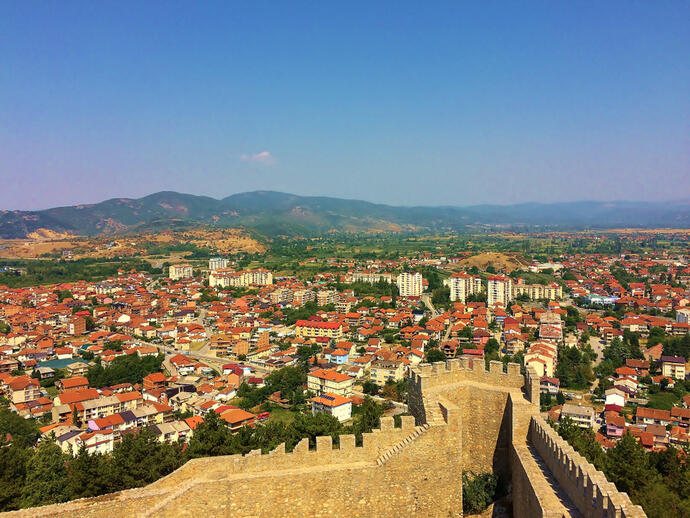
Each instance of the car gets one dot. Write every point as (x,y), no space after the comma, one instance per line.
(263,416)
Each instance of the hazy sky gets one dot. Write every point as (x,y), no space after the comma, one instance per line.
(406,103)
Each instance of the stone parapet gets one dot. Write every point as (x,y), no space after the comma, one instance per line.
(429,375)
(588,488)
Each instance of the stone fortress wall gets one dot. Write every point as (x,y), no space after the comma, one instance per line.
(463,417)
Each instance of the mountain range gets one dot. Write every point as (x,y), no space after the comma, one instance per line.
(274,213)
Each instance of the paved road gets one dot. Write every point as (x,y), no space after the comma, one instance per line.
(597,346)
(426,298)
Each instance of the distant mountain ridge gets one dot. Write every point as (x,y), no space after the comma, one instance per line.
(276,213)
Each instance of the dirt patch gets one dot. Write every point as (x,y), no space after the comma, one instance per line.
(107,247)
(501,261)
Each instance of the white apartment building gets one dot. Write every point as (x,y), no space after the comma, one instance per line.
(281,295)
(462,285)
(217,263)
(329,381)
(410,284)
(499,290)
(332,404)
(368,276)
(180,271)
(227,277)
(551,291)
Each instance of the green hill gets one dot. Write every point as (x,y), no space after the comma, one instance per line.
(276,213)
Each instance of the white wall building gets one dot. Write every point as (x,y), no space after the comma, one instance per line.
(499,290)
(180,271)
(216,263)
(463,285)
(338,406)
(410,284)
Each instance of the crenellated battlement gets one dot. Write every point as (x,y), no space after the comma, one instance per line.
(587,487)
(200,475)
(465,417)
(344,449)
(426,376)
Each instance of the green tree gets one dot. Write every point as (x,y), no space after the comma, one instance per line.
(141,459)
(478,491)
(210,438)
(628,466)
(17,427)
(85,474)
(491,346)
(371,388)
(435,355)
(14,458)
(46,476)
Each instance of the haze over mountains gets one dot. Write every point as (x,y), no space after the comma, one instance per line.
(275,213)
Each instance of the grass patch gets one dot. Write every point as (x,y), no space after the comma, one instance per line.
(281,415)
(662,400)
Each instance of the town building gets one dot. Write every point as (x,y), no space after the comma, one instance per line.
(462,285)
(499,290)
(673,367)
(410,284)
(314,329)
(582,416)
(217,263)
(180,271)
(324,381)
(332,404)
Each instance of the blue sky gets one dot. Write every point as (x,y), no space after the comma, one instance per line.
(404,103)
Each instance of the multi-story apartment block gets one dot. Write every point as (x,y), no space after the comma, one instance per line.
(324,381)
(227,277)
(387,370)
(410,284)
(217,263)
(673,367)
(332,404)
(462,285)
(281,295)
(499,290)
(552,291)
(325,297)
(313,329)
(23,389)
(683,316)
(303,296)
(76,326)
(368,276)
(181,271)
(260,277)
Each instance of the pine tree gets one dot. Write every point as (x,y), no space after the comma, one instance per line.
(13,461)
(85,475)
(46,479)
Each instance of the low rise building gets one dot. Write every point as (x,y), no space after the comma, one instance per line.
(582,416)
(332,404)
